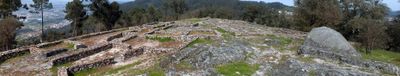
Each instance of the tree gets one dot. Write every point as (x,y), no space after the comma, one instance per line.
(8,27)
(8,6)
(393,31)
(40,5)
(154,14)
(352,9)
(105,12)
(372,33)
(75,13)
(137,16)
(252,12)
(177,7)
(364,20)
(316,13)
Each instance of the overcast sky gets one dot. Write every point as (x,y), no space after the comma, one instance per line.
(392,4)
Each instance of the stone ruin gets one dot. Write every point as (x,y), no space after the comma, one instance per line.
(85,51)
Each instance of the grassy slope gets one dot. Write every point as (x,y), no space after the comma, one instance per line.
(383,55)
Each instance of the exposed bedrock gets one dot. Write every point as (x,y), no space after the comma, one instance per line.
(325,40)
(327,43)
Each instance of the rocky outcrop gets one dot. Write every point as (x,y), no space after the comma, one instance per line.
(328,43)
(297,68)
(13,53)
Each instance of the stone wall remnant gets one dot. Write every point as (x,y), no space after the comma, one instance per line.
(13,53)
(81,54)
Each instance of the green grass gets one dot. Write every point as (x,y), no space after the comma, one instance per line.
(160,39)
(226,34)
(85,72)
(104,70)
(194,20)
(184,65)
(382,55)
(152,71)
(70,46)
(112,71)
(307,59)
(312,73)
(283,42)
(237,69)
(199,41)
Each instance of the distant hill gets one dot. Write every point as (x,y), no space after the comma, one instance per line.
(194,4)
(394,13)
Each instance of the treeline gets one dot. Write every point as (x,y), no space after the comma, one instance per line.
(358,20)
(361,21)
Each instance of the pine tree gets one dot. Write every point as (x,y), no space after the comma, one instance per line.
(154,15)
(177,7)
(41,5)
(105,12)
(76,13)
(8,6)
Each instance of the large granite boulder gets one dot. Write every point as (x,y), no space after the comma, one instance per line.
(328,43)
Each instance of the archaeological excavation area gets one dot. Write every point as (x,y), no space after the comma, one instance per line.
(107,50)
(194,47)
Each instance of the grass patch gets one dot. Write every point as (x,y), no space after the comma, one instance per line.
(199,41)
(312,73)
(226,34)
(184,66)
(85,72)
(237,69)
(382,55)
(152,71)
(160,39)
(104,70)
(307,59)
(194,20)
(70,46)
(283,42)
(112,71)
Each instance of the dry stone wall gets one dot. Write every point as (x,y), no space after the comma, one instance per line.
(93,34)
(83,53)
(42,45)
(55,52)
(133,53)
(114,37)
(97,64)
(13,53)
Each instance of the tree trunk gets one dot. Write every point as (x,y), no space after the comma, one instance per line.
(42,36)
